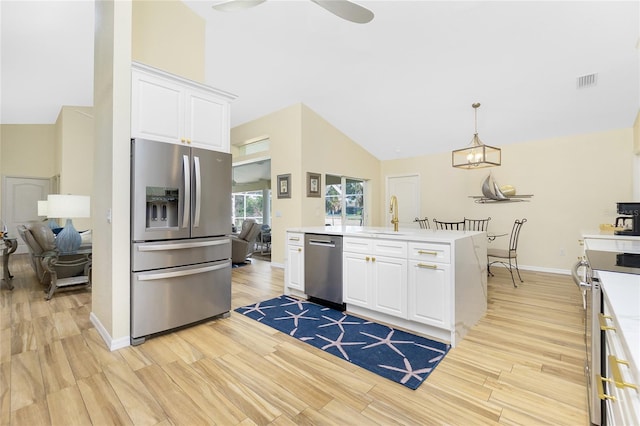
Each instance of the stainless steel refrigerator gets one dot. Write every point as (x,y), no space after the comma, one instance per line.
(180,248)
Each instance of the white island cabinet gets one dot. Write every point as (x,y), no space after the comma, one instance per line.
(294,272)
(374,274)
(430,286)
(168,108)
(432,282)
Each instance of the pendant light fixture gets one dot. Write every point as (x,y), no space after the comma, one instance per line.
(476,155)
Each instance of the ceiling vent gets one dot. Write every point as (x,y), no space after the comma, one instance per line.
(588,80)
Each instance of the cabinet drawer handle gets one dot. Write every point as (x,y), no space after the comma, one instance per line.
(373,259)
(601,394)
(183,140)
(424,265)
(294,239)
(614,363)
(366,258)
(299,249)
(602,318)
(188,141)
(433,253)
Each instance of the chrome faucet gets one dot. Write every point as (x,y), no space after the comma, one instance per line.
(393,209)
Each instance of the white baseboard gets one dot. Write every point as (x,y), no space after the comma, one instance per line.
(112,344)
(277,265)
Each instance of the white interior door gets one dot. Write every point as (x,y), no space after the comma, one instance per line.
(20,198)
(407,190)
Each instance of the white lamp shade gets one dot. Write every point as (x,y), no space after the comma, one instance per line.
(68,206)
(43,208)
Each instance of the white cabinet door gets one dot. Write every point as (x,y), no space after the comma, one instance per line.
(170,109)
(356,273)
(430,293)
(207,121)
(157,108)
(390,285)
(296,267)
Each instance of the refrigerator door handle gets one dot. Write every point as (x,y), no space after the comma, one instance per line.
(183,273)
(180,246)
(186,214)
(198,184)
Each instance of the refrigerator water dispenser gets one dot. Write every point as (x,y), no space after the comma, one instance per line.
(162,207)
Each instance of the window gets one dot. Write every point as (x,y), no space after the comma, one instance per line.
(254,146)
(251,193)
(247,205)
(344,201)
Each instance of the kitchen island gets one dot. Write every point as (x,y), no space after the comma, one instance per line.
(433,282)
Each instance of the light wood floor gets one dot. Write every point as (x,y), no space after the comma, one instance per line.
(522,364)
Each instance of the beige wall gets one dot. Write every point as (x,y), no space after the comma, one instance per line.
(44,150)
(74,159)
(636,166)
(301,141)
(576,182)
(285,134)
(326,150)
(170,36)
(112,106)
(27,150)
(636,135)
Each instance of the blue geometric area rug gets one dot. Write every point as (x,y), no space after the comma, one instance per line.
(394,354)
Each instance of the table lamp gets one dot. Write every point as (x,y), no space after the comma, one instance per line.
(68,206)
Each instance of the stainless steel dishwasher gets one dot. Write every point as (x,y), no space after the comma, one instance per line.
(323,269)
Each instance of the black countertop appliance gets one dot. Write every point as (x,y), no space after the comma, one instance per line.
(631,212)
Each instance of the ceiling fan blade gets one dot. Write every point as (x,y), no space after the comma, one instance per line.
(234,5)
(346,10)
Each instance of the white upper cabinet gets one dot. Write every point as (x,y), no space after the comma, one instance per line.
(169,108)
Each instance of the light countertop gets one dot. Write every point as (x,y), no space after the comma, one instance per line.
(623,293)
(407,234)
(610,242)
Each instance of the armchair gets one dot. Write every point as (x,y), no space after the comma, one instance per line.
(54,269)
(243,245)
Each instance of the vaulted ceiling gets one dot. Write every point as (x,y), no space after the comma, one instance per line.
(401,85)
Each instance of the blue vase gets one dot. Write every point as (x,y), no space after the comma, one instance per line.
(68,240)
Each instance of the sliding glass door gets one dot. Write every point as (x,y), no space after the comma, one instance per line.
(344,201)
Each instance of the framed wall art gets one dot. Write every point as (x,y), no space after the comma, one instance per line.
(313,185)
(284,186)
